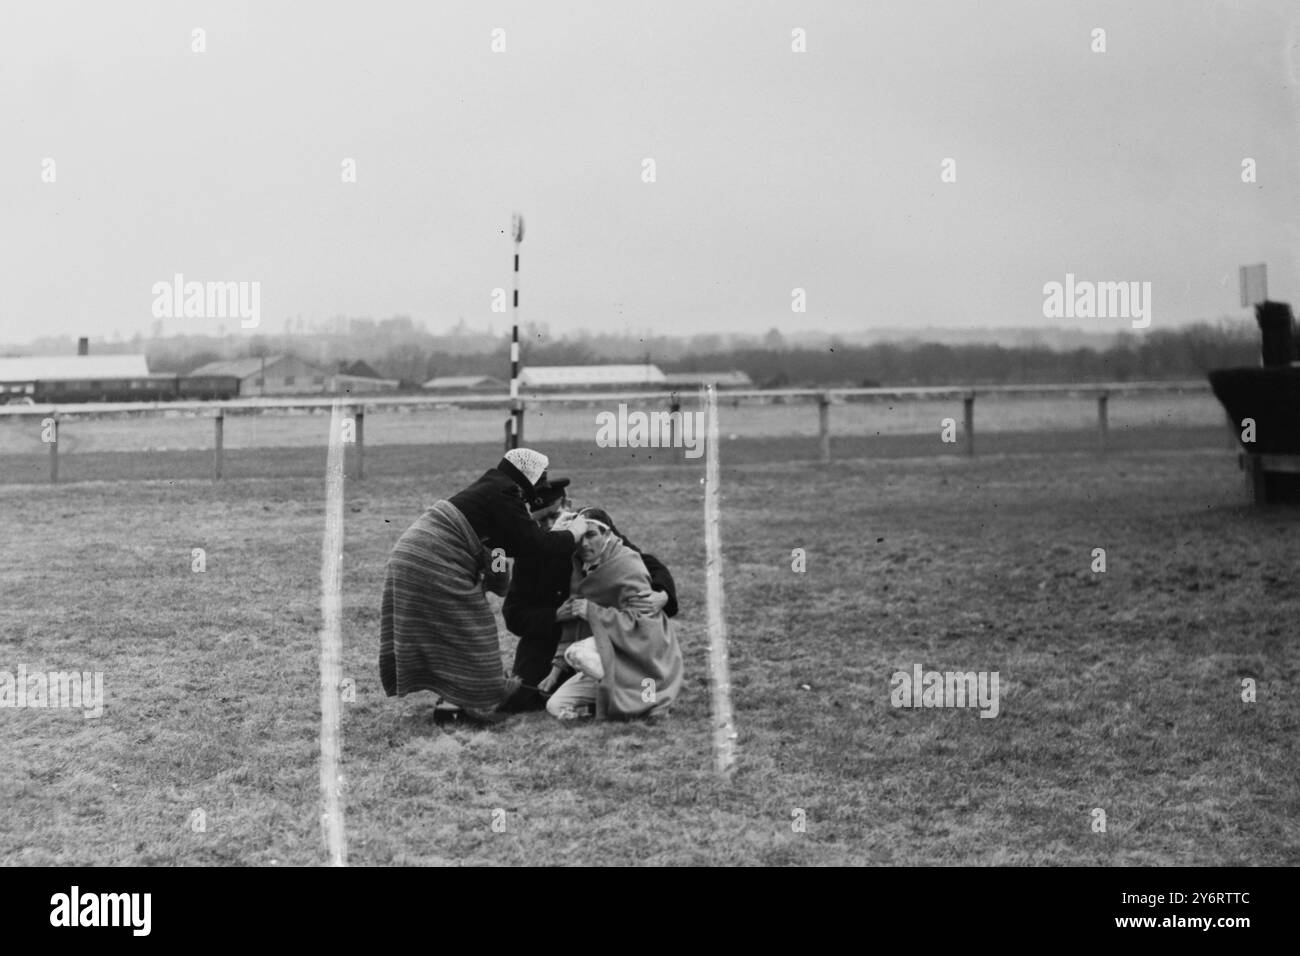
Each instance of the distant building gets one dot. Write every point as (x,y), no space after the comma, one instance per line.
(359,368)
(696,379)
(558,377)
(465,383)
(20,375)
(358,378)
(274,375)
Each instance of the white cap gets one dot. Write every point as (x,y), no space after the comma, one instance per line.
(531,464)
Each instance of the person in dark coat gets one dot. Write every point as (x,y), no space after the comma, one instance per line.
(437,631)
(535,608)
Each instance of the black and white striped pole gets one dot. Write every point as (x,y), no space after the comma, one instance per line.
(516,406)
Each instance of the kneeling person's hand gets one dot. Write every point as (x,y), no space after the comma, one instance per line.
(651,605)
(550,682)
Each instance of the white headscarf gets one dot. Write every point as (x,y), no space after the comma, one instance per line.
(530,463)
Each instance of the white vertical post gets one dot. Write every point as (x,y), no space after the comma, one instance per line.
(724,728)
(331,648)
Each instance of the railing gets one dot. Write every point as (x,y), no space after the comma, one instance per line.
(824,399)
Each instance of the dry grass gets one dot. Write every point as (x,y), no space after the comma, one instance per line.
(1118,690)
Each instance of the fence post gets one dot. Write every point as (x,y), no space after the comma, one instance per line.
(361,441)
(510,419)
(1103,401)
(968,420)
(1256,480)
(674,414)
(824,425)
(54,450)
(220,425)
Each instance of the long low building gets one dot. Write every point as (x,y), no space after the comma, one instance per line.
(558,377)
(465,383)
(362,384)
(272,375)
(289,375)
(696,379)
(20,375)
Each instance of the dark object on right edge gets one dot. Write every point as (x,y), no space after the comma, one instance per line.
(1277,331)
(1270,398)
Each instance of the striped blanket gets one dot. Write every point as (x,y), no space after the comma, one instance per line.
(437,631)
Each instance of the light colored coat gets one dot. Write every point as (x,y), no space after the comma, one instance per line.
(639,652)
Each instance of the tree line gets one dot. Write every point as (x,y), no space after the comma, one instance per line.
(398,349)
(1186,353)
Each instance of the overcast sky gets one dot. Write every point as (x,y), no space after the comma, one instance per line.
(774,169)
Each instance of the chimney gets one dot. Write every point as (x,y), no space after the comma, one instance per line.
(83,346)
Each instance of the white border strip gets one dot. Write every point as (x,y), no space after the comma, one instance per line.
(331,649)
(724,726)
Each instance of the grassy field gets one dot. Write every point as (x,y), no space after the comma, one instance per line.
(1119,690)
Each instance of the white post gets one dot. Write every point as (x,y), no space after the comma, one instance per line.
(724,728)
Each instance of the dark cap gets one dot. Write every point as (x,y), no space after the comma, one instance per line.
(548,492)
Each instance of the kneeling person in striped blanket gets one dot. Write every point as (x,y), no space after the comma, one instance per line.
(623,645)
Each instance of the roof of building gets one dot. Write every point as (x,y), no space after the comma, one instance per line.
(53,368)
(244,367)
(577,375)
(364,381)
(240,368)
(463,381)
(359,368)
(699,378)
